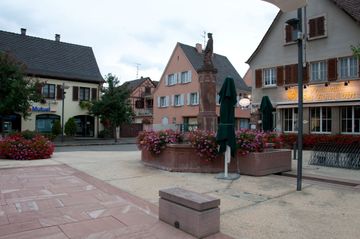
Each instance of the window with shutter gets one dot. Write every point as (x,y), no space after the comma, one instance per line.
(280,76)
(319,71)
(332,69)
(288,34)
(59,92)
(75,93)
(93,94)
(317,27)
(269,76)
(290,74)
(258,78)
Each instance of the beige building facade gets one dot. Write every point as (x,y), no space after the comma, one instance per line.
(331,71)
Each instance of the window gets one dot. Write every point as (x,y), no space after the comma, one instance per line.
(84,93)
(269,77)
(289,34)
(194,98)
(48,91)
(348,67)
(171,80)
(163,101)
(178,100)
(185,76)
(317,27)
(318,71)
(320,120)
(45,122)
(290,119)
(350,119)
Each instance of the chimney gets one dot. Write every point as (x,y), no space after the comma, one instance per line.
(198,47)
(23,31)
(57,37)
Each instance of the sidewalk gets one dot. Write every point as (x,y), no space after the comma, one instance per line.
(94,141)
(251,207)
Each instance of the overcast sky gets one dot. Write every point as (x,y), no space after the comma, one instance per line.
(124,33)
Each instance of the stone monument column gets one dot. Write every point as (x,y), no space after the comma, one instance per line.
(207,118)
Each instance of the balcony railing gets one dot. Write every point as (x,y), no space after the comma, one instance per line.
(143,112)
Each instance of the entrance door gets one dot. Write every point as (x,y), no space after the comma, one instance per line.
(84,125)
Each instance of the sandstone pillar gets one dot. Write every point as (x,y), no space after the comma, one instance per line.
(207,118)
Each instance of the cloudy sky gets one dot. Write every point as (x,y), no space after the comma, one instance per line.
(124,33)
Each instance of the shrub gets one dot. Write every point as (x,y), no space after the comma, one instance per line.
(155,141)
(70,127)
(17,146)
(56,128)
(105,133)
(204,143)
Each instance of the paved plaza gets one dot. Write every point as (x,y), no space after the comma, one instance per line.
(110,194)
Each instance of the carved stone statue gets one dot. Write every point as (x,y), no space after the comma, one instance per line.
(208,52)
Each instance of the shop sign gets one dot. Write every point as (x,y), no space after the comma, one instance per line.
(317,93)
(40,109)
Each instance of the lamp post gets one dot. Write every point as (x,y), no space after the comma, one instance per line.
(296,23)
(63,87)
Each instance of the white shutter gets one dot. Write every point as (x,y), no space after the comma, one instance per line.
(166,80)
(175,79)
(182,99)
(189,76)
(197,98)
(237,101)
(179,78)
(166,101)
(188,98)
(172,100)
(158,101)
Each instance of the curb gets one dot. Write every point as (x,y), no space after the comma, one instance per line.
(339,181)
(91,144)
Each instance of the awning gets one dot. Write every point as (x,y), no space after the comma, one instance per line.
(318,104)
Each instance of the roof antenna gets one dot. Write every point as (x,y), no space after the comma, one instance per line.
(204,37)
(137,70)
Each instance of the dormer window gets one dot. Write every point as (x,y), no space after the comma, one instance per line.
(317,27)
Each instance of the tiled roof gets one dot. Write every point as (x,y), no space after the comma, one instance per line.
(132,85)
(50,58)
(351,7)
(221,63)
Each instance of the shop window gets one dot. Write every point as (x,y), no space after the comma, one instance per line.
(48,91)
(85,125)
(320,120)
(350,119)
(44,122)
(290,119)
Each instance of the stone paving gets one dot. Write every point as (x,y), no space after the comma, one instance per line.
(61,202)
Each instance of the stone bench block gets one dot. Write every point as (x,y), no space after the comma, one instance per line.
(194,213)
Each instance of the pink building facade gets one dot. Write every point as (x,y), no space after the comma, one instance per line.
(176,98)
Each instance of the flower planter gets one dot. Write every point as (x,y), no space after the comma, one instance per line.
(265,163)
(183,158)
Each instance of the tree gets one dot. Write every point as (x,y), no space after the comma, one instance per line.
(114,105)
(70,127)
(16,92)
(356,50)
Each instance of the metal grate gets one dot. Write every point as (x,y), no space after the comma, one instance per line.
(336,155)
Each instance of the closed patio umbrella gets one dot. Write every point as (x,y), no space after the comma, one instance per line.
(225,136)
(266,110)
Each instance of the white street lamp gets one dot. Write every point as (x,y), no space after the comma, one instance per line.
(297,24)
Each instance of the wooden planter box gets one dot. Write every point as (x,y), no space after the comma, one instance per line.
(184,158)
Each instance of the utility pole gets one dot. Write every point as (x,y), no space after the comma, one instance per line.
(137,70)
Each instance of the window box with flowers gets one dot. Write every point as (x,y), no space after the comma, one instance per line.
(196,151)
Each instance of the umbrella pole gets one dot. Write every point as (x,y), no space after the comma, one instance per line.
(227,160)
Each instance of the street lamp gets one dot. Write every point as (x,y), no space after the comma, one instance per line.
(296,23)
(63,87)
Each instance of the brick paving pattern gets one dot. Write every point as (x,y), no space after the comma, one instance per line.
(61,202)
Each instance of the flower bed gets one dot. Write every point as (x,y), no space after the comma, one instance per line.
(25,146)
